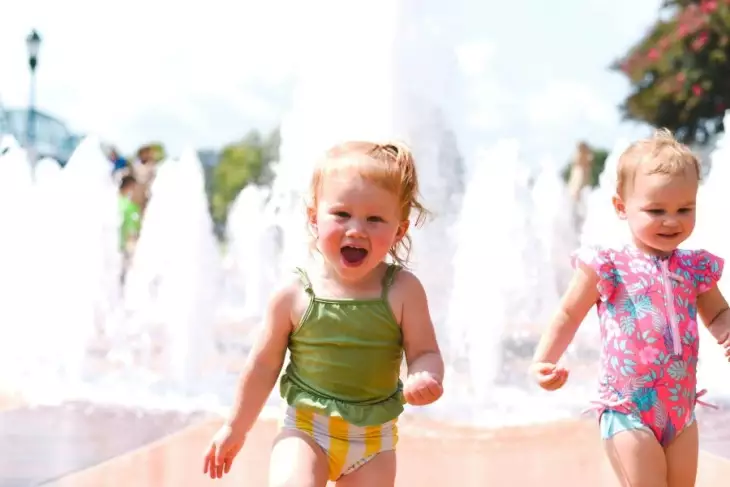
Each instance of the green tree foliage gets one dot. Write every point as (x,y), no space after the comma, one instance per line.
(243,162)
(679,71)
(599,161)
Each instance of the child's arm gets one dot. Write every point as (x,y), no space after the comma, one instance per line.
(713,310)
(423,356)
(264,362)
(581,295)
(259,375)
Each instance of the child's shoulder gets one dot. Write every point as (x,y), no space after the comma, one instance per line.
(700,261)
(403,279)
(291,294)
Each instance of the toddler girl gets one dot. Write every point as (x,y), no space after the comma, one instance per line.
(648,295)
(346,321)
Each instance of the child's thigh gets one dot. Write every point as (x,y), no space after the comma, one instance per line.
(379,471)
(682,457)
(297,461)
(637,458)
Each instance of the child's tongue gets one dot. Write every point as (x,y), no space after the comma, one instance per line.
(353,255)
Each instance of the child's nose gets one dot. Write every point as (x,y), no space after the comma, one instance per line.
(670,221)
(355,229)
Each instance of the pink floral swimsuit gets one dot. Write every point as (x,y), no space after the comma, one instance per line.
(650,343)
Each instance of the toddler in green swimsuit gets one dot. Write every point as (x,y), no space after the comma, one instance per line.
(347,321)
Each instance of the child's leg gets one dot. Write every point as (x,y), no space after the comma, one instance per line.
(297,461)
(637,458)
(379,471)
(682,457)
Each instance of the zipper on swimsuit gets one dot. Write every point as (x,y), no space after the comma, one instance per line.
(671,310)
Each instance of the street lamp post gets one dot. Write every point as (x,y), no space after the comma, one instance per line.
(33,43)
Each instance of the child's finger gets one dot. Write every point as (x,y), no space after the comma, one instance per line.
(210,462)
(544,368)
(556,380)
(547,378)
(418,399)
(434,388)
(217,463)
(206,464)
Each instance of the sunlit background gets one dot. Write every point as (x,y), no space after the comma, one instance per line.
(234,101)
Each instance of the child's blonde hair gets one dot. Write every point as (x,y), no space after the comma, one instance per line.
(393,168)
(660,154)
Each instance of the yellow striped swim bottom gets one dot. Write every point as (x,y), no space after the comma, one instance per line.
(348,447)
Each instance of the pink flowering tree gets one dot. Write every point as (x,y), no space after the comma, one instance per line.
(680,70)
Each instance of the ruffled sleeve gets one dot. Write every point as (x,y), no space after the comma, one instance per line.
(707,270)
(601,261)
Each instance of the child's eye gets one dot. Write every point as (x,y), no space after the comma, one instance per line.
(342,214)
(375,219)
(686,210)
(655,212)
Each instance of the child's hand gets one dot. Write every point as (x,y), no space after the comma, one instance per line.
(549,376)
(223,449)
(421,389)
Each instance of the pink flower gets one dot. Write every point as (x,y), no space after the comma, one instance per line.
(648,354)
(700,41)
(708,6)
(697,90)
(653,54)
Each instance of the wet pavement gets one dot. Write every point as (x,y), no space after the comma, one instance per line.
(82,445)
(43,444)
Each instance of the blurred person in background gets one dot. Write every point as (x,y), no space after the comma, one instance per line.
(131,196)
(143,169)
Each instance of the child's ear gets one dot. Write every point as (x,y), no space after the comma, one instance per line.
(312,219)
(619,206)
(402,230)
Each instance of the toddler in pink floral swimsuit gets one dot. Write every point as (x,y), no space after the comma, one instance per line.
(648,295)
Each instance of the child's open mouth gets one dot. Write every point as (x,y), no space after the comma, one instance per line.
(353,256)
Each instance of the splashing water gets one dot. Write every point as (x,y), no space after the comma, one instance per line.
(254,245)
(601,225)
(174,280)
(556,223)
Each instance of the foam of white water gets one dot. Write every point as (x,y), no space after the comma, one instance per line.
(16,281)
(172,288)
(601,225)
(556,223)
(254,245)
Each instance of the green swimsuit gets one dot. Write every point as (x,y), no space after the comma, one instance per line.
(345,358)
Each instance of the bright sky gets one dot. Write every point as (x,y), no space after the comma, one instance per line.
(204,72)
